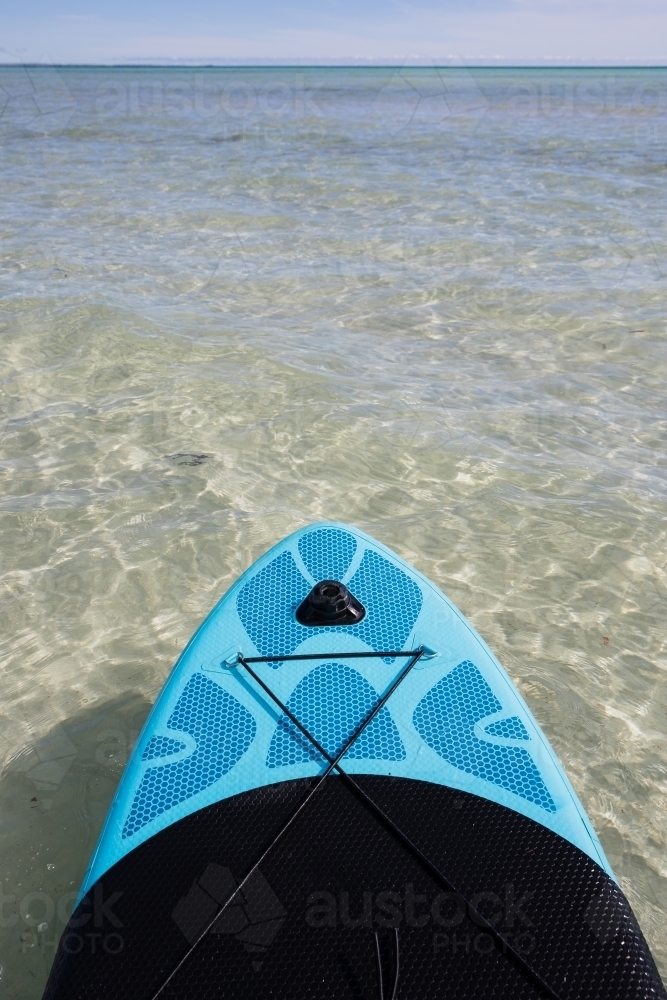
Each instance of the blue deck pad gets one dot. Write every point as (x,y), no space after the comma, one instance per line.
(267,603)
(327,553)
(508,729)
(223,729)
(392,601)
(332,701)
(455,720)
(445,719)
(162,746)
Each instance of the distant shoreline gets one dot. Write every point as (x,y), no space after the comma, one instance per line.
(451,63)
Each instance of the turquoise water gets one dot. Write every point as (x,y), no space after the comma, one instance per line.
(429,303)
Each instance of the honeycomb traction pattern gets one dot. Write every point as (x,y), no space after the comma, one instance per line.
(267,603)
(339,875)
(445,718)
(223,729)
(332,701)
(392,601)
(161,746)
(509,729)
(327,552)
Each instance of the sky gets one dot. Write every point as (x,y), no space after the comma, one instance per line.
(510,32)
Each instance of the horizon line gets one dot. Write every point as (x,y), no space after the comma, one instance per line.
(367,64)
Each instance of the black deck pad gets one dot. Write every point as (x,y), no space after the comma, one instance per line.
(304,926)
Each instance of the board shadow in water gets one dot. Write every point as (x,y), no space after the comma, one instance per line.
(54,797)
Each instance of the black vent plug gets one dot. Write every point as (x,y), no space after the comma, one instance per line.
(330,603)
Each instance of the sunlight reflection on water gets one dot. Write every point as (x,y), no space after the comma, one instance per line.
(431,304)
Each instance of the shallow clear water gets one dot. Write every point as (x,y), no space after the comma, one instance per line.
(431,304)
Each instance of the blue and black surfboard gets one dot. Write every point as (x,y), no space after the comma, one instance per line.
(340,794)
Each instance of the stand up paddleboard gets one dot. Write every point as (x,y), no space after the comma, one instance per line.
(340,794)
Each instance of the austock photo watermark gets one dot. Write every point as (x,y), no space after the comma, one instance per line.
(435,94)
(44,98)
(253,914)
(445,915)
(47,762)
(256,916)
(206,96)
(44,918)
